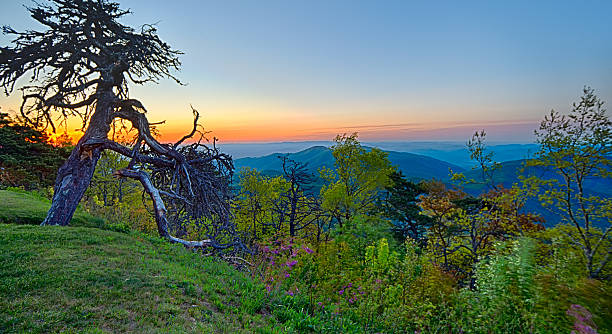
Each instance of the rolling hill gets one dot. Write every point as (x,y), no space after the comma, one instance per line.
(414,166)
(457,152)
(454,152)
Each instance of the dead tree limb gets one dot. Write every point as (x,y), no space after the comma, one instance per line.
(80,66)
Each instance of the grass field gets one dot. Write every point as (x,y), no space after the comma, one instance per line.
(85,279)
(80,279)
(21,207)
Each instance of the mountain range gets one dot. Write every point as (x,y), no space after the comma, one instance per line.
(453,152)
(423,167)
(414,166)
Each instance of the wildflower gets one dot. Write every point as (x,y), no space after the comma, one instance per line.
(583,323)
(308,250)
(287,275)
(290,293)
(291,264)
(268,287)
(341,292)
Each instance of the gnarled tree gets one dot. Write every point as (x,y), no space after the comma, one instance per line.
(80,66)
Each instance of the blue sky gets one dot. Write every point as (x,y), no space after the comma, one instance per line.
(393,70)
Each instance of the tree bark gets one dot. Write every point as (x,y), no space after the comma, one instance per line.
(75,175)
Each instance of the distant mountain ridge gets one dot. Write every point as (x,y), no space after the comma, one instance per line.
(509,171)
(414,166)
(455,152)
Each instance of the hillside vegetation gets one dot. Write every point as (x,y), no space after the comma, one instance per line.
(80,279)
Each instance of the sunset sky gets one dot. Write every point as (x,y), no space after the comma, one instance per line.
(390,70)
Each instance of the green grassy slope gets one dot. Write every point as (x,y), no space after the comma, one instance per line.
(23,207)
(80,279)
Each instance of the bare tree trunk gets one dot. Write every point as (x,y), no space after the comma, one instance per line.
(74,176)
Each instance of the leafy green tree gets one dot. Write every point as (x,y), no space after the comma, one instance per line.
(27,157)
(440,205)
(357,180)
(255,204)
(401,206)
(577,147)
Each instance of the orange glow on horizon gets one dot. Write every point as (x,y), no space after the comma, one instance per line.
(376,132)
(269,126)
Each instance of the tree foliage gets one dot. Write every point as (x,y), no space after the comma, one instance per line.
(578,147)
(357,180)
(27,157)
(401,205)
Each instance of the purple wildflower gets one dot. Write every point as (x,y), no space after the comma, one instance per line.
(308,250)
(583,323)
